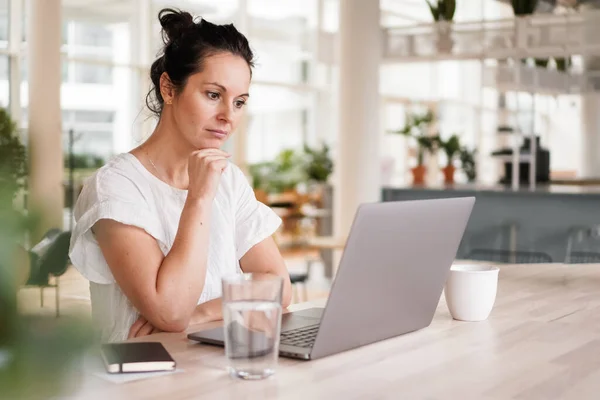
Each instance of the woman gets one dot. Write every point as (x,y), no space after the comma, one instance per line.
(157,228)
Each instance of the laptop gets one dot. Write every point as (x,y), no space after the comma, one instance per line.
(389,281)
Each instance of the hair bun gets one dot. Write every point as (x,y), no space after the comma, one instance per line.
(174,23)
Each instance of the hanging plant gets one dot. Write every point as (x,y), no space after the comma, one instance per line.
(524,7)
(442,10)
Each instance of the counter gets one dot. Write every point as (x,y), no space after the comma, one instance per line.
(542,222)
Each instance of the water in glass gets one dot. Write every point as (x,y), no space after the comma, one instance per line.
(252,330)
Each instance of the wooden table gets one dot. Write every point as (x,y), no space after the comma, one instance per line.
(327,242)
(542,341)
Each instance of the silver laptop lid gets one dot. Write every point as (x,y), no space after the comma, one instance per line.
(393,269)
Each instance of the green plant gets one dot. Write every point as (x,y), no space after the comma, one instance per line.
(288,171)
(442,10)
(37,354)
(562,63)
(283,173)
(318,164)
(451,147)
(524,7)
(541,62)
(13,158)
(416,127)
(467,159)
(260,173)
(84,161)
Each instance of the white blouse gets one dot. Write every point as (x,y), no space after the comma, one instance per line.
(125,191)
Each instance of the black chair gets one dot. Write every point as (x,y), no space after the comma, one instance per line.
(583,245)
(509,256)
(54,262)
(584,257)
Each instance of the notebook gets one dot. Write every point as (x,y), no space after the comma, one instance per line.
(136,357)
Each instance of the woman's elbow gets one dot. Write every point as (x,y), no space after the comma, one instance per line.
(172,325)
(286,296)
(172,320)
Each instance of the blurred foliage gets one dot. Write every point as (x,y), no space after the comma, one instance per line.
(524,7)
(451,146)
(37,353)
(417,127)
(291,168)
(442,10)
(13,158)
(467,160)
(84,161)
(287,171)
(318,164)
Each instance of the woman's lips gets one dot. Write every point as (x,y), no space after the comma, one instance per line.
(218,133)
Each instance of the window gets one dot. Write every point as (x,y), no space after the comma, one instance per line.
(93,132)
(4,84)
(278,119)
(92,35)
(4,24)
(93,73)
(4,68)
(94,116)
(277,62)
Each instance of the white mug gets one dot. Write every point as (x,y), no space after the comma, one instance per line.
(470,291)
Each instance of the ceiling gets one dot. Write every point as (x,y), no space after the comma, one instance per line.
(123,10)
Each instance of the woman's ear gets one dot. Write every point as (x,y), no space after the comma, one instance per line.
(167,90)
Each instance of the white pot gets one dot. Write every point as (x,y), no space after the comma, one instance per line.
(470,291)
(444,41)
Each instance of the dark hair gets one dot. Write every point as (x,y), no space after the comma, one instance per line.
(186,45)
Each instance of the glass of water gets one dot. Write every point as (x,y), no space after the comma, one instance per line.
(252,324)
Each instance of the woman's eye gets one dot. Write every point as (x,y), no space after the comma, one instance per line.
(213,95)
(240,103)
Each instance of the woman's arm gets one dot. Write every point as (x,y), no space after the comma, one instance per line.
(163,289)
(263,258)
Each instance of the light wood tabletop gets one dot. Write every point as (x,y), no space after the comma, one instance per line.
(542,341)
(327,242)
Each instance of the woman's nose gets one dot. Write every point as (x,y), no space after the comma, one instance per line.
(225,113)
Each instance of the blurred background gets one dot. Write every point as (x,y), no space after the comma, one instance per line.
(351,101)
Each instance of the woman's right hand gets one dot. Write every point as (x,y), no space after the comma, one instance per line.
(204,169)
(141,327)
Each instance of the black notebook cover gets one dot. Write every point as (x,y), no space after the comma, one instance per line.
(136,357)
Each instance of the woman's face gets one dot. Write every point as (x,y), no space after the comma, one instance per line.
(212,102)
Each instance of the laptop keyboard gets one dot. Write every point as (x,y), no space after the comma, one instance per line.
(301,337)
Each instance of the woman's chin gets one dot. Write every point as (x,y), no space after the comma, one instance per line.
(210,144)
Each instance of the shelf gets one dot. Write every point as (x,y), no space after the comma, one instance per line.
(539,35)
(509,158)
(524,78)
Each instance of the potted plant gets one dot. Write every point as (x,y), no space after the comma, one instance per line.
(442,12)
(416,127)
(467,160)
(563,63)
(287,172)
(318,165)
(524,7)
(260,173)
(451,147)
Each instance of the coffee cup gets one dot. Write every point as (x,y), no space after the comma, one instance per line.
(470,291)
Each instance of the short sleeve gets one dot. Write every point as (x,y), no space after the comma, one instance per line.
(107,195)
(254,221)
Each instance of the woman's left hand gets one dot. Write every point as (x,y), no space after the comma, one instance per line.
(141,327)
